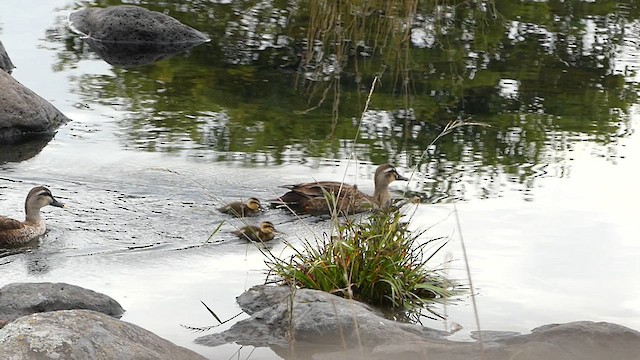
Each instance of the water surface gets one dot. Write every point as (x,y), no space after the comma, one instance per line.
(547,196)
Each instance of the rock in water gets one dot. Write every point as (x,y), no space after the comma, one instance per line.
(5,61)
(23,113)
(20,299)
(133,24)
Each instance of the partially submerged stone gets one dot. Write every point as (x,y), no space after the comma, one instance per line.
(84,334)
(317,318)
(5,61)
(25,114)
(133,24)
(20,299)
(321,326)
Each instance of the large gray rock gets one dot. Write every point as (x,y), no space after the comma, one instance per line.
(323,326)
(20,299)
(133,24)
(5,61)
(24,114)
(84,334)
(317,318)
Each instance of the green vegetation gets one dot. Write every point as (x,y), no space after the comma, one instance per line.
(375,259)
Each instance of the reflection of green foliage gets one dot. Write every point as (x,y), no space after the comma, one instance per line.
(526,68)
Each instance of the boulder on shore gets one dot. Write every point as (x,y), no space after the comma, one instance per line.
(318,326)
(5,61)
(84,334)
(20,299)
(24,114)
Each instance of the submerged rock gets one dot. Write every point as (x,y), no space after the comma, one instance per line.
(84,334)
(133,24)
(5,61)
(24,114)
(20,299)
(323,326)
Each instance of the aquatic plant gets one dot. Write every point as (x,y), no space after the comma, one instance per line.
(375,259)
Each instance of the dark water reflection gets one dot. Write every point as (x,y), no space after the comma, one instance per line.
(542,77)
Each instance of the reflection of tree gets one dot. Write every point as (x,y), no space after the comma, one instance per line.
(541,73)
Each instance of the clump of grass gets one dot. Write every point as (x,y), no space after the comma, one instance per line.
(376,260)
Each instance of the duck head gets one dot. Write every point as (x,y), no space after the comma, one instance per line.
(253,204)
(267,227)
(386,174)
(38,198)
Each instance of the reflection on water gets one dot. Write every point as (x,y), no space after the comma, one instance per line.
(237,117)
(135,54)
(540,86)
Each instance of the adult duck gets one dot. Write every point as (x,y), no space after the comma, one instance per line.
(14,232)
(323,197)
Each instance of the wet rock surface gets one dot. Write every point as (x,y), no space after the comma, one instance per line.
(318,318)
(324,326)
(24,114)
(84,334)
(133,24)
(20,299)
(5,61)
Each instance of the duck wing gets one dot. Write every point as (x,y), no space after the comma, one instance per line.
(318,188)
(9,224)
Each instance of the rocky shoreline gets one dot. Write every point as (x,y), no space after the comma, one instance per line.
(63,321)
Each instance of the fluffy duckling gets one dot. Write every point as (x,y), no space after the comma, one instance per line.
(310,198)
(14,232)
(265,232)
(239,209)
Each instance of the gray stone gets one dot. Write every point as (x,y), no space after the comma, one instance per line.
(133,24)
(322,326)
(317,318)
(5,61)
(20,299)
(84,334)
(24,114)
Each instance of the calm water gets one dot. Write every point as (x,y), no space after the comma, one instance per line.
(547,196)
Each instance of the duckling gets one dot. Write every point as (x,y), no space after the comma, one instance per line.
(14,232)
(310,198)
(239,209)
(265,232)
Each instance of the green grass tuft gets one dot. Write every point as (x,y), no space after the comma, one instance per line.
(375,259)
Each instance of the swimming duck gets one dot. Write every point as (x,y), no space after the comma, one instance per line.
(240,209)
(14,232)
(310,198)
(265,232)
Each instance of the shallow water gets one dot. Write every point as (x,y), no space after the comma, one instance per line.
(549,223)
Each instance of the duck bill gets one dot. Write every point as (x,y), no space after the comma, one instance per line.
(57,203)
(401,178)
